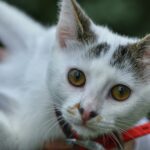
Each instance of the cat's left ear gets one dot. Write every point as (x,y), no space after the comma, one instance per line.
(73,24)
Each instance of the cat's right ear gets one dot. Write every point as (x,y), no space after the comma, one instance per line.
(143,47)
(73,24)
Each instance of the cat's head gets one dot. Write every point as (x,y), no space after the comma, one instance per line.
(95,76)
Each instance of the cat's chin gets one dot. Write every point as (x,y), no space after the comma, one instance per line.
(89,133)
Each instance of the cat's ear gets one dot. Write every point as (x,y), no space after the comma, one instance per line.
(143,47)
(73,24)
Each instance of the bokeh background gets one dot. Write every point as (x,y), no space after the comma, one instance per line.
(127,17)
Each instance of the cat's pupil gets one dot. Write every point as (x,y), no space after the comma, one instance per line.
(121,90)
(77,75)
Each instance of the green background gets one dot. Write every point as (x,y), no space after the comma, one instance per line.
(127,17)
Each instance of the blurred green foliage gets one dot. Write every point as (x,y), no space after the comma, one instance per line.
(129,17)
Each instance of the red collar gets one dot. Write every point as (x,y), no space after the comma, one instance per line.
(109,143)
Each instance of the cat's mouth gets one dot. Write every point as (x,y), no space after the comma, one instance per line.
(74,131)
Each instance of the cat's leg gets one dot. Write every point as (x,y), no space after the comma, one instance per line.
(8,139)
(16,29)
(8,120)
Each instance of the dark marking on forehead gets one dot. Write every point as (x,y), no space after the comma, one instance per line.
(100,49)
(128,57)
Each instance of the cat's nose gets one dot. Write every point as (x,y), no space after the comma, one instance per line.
(87,115)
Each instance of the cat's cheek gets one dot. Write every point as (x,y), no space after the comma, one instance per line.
(72,118)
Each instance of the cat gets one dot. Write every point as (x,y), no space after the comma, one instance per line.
(97,79)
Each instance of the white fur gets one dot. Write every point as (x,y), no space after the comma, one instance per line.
(34,77)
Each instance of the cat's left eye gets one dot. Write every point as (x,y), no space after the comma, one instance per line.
(76,77)
(120,92)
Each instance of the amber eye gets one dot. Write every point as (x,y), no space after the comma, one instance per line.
(120,92)
(76,77)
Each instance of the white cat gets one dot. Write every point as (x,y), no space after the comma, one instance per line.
(95,78)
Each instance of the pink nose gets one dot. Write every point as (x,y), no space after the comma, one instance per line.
(87,115)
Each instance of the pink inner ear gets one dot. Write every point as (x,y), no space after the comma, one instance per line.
(62,39)
(65,34)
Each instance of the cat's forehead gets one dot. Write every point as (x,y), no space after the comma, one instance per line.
(109,52)
(116,50)
(108,45)
(107,42)
(105,49)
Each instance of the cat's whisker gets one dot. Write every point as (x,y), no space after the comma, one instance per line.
(130,135)
(48,124)
(55,105)
(125,130)
(54,124)
(105,124)
(122,130)
(102,126)
(49,121)
(124,122)
(116,139)
(105,127)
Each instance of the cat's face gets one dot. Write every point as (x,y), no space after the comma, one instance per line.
(96,78)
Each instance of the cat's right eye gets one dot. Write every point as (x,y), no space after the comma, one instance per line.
(76,78)
(120,92)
